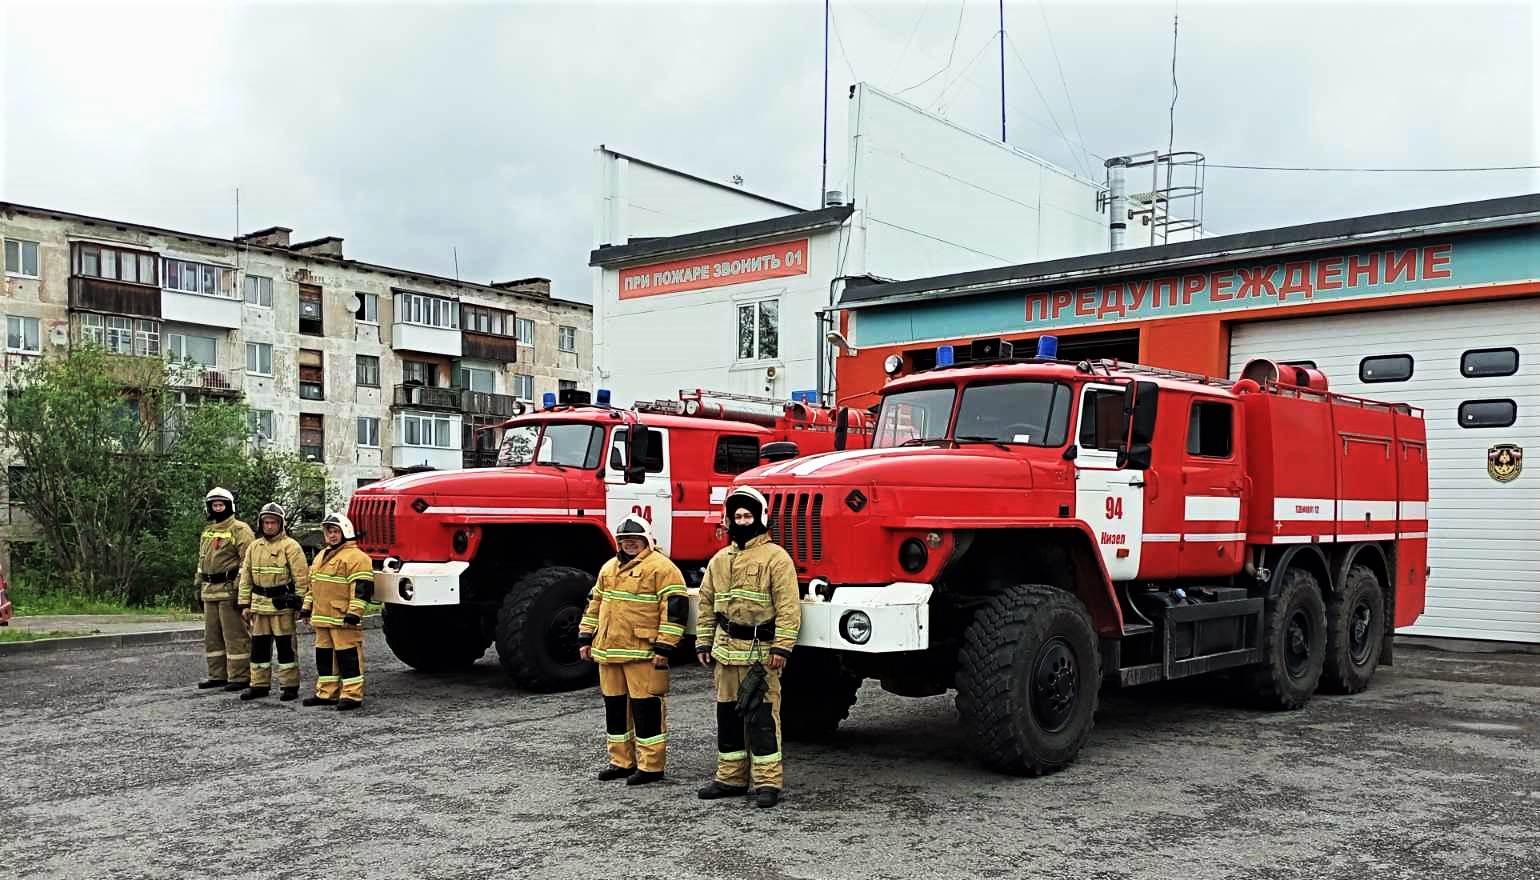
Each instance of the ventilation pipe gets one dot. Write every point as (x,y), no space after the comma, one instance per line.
(1117,203)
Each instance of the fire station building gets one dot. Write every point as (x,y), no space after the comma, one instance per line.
(1436,307)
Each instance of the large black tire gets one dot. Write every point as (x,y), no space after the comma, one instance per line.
(537,630)
(1028,679)
(816,695)
(446,638)
(1293,643)
(1355,630)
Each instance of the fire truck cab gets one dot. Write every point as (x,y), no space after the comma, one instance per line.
(1022,531)
(508,554)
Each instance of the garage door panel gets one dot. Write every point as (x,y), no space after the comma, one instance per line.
(1484,536)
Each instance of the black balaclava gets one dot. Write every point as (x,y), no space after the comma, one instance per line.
(742,535)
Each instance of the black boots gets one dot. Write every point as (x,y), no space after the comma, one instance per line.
(348,705)
(237,685)
(642,777)
(615,772)
(714,789)
(211,683)
(289,693)
(255,693)
(317,701)
(767,797)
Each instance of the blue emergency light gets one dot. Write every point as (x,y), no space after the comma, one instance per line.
(1048,347)
(549,400)
(604,397)
(945,357)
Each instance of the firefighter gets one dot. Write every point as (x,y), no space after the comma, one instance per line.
(274,581)
(748,619)
(221,548)
(635,618)
(341,581)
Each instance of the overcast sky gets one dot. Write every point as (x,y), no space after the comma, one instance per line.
(411,129)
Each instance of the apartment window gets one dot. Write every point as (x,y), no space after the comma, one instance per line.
(524,386)
(566,385)
(368,371)
(478,379)
(368,431)
(368,308)
(425,430)
(1209,429)
(114,264)
(1484,362)
(1488,413)
(22,334)
(184,277)
(526,331)
(759,330)
(427,311)
(419,373)
(190,346)
(310,310)
(1385,368)
(479,319)
(146,339)
(566,338)
(15,475)
(312,375)
(259,291)
(259,358)
(259,424)
(21,257)
(736,454)
(312,436)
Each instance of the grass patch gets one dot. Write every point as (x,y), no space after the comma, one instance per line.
(10,634)
(37,604)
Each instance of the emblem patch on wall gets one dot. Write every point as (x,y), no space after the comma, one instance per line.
(1505,461)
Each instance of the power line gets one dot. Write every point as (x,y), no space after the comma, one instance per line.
(1048,29)
(909,42)
(839,41)
(941,98)
(1033,80)
(950,55)
(1374,170)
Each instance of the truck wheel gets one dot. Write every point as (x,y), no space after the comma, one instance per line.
(1028,678)
(537,630)
(1293,643)
(1355,626)
(446,638)
(816,695)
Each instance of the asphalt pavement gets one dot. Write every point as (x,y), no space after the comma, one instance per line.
(113,766)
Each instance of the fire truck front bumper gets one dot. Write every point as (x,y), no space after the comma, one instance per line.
(871,620)
(419,583)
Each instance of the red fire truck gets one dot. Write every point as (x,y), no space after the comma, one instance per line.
(509,553)
(1023,530)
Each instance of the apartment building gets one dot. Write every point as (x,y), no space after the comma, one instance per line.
(370,369)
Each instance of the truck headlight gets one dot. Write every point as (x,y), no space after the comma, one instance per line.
(856,627)
(406,589)
(912,555)
(462,540)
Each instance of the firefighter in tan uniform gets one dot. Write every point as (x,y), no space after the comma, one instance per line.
(635,618)
(274,582)
(747,623)
(221,549)
(341,581)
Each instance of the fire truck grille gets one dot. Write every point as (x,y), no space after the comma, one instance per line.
(375,520)
(796,523)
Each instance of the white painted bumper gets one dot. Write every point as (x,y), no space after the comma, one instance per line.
(900,616)
(419,583)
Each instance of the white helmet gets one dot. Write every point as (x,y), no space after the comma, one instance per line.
(218,494)
(634,525)
(341,521)
(747,496)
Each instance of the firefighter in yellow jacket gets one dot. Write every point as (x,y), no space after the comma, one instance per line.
(747,623)
(341,581)
(275,579)
(221,548)
(635,618)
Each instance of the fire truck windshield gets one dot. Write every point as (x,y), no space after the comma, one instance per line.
(1030,413)
(569,444)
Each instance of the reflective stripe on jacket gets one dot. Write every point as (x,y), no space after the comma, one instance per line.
(751,586)
(334,584)
(269,564)
(635,610)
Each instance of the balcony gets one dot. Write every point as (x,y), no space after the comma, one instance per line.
(489,347)
(209,310)
(403,457)
(479,458)
(116,297)
(429,340)
(483,403)
(206,379)
(427,397)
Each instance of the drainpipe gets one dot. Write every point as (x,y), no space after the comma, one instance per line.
(1117,203)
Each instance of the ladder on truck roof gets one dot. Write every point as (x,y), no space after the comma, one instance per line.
(1108,365)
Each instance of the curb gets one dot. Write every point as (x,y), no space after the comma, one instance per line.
(123,640)
(1465,646)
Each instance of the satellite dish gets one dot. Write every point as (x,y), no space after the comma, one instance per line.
(355,302)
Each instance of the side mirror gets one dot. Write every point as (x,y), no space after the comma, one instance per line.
(842,427)
(1136,457)
(638,444)
(781,450)
(1140,404)
(1071,452)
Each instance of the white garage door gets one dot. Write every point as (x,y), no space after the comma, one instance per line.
(1483,535)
